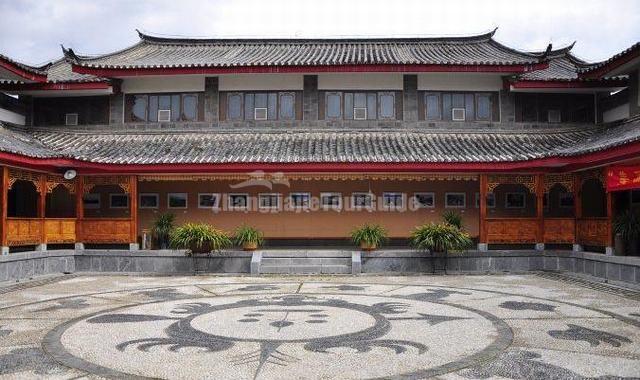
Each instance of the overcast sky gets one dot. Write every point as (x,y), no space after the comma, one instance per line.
(32,30)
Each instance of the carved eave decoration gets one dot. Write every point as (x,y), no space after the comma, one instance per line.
(53,181)
(527,181)
(23,175)
(565,180)
(121,181)
(597,174)
(275,177)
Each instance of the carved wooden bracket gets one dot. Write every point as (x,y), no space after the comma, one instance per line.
(565,180)
(528,181)
(54,181)
(22,175)
(121,181)
(311,177)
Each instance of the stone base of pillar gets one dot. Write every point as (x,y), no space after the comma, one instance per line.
(256,260)
(41,247)
(539,246)
(356,262)
(134,247)
(609,251)
(79,246)
(483,247)
(4,250)
(577,248)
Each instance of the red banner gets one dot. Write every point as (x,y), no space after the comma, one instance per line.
(623,178)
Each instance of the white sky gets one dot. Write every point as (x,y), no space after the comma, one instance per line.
(32,30)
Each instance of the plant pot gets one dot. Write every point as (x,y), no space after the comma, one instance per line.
(368,247)
(206,248)
(250,246)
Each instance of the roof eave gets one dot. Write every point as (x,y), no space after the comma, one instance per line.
(22,71)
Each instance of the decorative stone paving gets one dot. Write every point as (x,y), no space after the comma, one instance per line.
(447,327)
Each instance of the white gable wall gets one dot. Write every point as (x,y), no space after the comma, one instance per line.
(151,84)
(459,82)
(261,82)
(360,81)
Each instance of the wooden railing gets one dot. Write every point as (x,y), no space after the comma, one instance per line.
(24,231)
(511,230)
(593,231)
(60,230)
(105,231)
(559,230)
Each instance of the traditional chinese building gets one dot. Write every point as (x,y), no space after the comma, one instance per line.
(308,138)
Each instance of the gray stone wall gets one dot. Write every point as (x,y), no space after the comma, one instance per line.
(310,98)
(116,108)
(211,100)
(410,98)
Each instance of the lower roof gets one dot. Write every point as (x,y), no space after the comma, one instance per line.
(313,146)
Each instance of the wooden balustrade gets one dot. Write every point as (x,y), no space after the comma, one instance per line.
(512,230)
(60,231)
(559,230)
(24,231)
(105,230)
(593,231)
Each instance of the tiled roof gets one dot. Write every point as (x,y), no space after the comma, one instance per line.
(158,52)
(60,71)
(563,66)
(633,48)
(374,146)
(36,70)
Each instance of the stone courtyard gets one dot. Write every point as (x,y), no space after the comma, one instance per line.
(447,327)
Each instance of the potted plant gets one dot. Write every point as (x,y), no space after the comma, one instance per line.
(199,238)
(162,228)
(369,236)
(627,226)
(439,239)
(249,238)
(453,218)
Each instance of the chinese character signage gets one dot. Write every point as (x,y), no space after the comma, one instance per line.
(623,178)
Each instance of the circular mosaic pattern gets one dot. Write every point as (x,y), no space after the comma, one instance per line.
(280,336)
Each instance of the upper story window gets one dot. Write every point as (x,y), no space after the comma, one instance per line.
(366,105)
(260,106)
(164,107)
(80,110)
(554,108)
(460,106)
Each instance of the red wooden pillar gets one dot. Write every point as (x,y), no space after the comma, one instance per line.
(483,243)
(79,211)
(4,193)
(609,249)
(42,207)
(577,206)
(133,203)
(539,182)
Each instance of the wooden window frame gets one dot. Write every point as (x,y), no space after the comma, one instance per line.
(331,207)
(418,205)
(214,207)
(368,207)
(186,201)
(128,107)
(155,195)
(446,200)
(232,207)
(278,197)
(98,197)
(520,193)
(302,207)
(113,195)
(394,207)
(489,205)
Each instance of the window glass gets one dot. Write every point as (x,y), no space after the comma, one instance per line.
(175,107)
(483,111)
(208,201)
(432,106)
(348,106)
(164,102)
(269,201)
(149,200)
(372,106)
(446,106)
(287,106)
(139,109)
(392,200)
(331,200)
(387,106)
(424,200)
(261,100)
(333,106)
(360,100)
(469,107)
(238,201)
(455,200)
(190,107)
(249,113)
(272,106)
(361,200)
(153,108)
(234,106)
(177,200)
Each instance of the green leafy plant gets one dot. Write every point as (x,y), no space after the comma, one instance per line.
(199,238)
(369,236)
(248,237)
(627,225)
(162,228)
(453,218)
(440,237)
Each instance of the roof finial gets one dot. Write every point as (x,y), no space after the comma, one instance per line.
(140,34)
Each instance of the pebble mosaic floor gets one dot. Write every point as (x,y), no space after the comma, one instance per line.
(444,327)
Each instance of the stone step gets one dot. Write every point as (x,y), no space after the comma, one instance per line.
(305,269)
(287,261)
(297,253)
